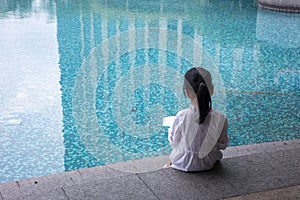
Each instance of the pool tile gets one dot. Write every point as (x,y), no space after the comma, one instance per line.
(56,131)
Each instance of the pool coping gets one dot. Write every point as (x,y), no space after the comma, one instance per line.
(156,163)
(86,183)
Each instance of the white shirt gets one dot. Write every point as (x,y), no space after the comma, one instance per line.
(196,147)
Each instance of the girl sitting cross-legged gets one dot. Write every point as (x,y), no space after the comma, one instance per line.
(199,133)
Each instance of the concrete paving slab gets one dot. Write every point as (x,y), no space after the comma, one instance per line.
(15,191)
(143,165)
(252,160)
(55,181)
(252,174)
(7,190)
(274,146)
(245,170)
(102,172)
(173,184)
(124,187)
(291,193)
(288,157)
(260,148)
(234,176)
(41,194)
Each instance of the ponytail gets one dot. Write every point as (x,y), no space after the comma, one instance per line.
(204,101)
(195,82)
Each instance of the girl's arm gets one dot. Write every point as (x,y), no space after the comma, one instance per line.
(174,133)
(224,139)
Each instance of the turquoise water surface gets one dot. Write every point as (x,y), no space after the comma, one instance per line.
(87,83)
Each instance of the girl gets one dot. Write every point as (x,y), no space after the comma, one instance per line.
(199,132)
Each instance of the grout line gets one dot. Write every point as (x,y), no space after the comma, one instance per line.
(148,187)
(268,153)
(18,184)
(236,189)
(263,192)
(72,181)
(65,193)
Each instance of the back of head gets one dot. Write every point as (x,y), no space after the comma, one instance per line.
(207,78)
(198,81)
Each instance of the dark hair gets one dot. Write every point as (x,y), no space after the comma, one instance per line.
(194,82)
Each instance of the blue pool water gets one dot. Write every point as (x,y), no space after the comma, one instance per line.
(86,83)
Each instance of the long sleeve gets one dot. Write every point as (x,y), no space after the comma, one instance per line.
(224,139)
(197,147)
(174,133)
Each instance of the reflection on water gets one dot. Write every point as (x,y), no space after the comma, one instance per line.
(31,142)
(130,58)
(27,8)
(121,66)
(284,33)
(24,8)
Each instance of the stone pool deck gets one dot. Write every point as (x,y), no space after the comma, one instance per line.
(264,171)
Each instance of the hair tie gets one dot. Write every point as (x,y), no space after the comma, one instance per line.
(202,83)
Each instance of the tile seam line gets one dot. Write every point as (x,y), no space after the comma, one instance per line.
(73,181)
(18,184)
(268,153)
(236,189)
(262,191)
(65,193)
(147,186)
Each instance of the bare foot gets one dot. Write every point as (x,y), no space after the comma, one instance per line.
(168,165)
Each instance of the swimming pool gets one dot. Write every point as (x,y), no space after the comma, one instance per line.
(86,83)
